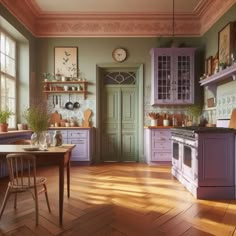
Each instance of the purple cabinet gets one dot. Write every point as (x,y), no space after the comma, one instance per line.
(157,145)
(205,164)
(83,139)
(172,76)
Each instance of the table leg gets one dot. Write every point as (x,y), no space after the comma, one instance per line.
(68,177)
(61,190)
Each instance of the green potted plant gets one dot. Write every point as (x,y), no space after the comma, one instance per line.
(4,116)
(194,111)
(37,119)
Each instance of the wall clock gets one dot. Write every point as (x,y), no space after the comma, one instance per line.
(119,54)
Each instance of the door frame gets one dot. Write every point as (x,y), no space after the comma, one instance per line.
(139,69)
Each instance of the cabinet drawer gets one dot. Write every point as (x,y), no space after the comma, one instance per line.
(161,156)
(77,133)
(161,134)
(157,144)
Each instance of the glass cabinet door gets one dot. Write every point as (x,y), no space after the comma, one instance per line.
(164,77)
(183,83)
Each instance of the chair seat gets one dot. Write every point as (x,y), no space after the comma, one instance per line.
(26,182)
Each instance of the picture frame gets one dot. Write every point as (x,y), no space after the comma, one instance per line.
(66,61)
(226,42)
(209,65)
(210,102)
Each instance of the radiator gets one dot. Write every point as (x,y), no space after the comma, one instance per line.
(3,167)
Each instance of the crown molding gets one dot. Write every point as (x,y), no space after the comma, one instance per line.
(48,24)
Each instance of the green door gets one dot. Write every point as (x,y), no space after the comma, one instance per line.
(119,121)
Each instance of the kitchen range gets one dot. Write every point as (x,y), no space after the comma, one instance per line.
(203,160)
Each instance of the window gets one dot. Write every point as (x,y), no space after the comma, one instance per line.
(8,76)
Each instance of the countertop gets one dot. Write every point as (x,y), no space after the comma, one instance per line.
(158,127)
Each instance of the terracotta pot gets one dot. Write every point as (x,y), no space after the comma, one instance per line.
(3,127)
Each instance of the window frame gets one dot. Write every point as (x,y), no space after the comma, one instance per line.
(12,119)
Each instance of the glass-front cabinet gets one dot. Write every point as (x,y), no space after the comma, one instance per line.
(172,76)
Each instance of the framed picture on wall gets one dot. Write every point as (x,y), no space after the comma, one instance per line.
(209,65)
(66,61)
(226,42)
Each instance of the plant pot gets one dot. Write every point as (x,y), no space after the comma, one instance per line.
(3,127)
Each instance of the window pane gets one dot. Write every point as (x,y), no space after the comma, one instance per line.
(10,48)
(3,43)
(10,66)
(3,63)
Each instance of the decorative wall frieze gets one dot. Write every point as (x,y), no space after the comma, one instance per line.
(48,24)
(212,13)
(115,27)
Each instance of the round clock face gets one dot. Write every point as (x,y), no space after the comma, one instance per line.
(119,54)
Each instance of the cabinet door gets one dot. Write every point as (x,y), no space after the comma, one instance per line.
(162,77)
(81,151)
(184,77)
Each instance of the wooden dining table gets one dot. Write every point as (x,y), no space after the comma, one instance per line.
(59,156)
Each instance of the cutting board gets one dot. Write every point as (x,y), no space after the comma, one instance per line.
(55,118)
(86,122)
(232,123)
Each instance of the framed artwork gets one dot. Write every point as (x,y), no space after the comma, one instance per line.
(210,102)
(215,64)
(66,61)
(209,65)
(225,44)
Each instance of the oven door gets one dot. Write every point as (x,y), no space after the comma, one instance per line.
(177,144)
(189,161)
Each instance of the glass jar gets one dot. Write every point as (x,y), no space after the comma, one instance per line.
(57,138)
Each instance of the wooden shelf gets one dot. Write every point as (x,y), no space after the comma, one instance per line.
(61,89)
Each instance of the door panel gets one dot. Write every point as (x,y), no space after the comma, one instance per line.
(119,123)
(129,121)
(110,124)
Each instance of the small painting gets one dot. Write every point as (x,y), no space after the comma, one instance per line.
(66,61)
(209,65)
(225,44)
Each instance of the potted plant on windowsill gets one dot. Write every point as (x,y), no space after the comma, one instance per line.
(4,116)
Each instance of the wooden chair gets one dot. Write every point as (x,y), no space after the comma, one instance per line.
(22,174)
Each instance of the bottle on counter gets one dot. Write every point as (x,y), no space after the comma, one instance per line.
(57,138)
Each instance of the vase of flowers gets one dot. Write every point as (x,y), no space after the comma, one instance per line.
(38,121)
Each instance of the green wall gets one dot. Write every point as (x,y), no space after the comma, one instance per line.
(26,58)
(210,40)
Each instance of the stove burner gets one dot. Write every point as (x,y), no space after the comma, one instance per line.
(192,130)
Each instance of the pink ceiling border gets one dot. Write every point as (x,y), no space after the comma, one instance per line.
(45,24)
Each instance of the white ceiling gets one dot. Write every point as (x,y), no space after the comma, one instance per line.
(119,6)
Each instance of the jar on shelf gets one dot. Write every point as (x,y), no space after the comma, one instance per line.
(57,138)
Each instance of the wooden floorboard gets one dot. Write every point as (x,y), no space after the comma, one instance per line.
(128,199)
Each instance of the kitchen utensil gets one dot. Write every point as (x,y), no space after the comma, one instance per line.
(87,114)
(76,105)
(55,118)
(69,105)
(232,123)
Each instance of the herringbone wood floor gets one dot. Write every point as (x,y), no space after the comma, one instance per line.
(120,200)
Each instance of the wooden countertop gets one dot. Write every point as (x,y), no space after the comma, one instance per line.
(158,127)
(12,133)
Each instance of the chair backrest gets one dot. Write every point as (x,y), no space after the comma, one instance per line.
(21,141)
(22,170)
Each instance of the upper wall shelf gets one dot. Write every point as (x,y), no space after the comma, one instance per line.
(220,76)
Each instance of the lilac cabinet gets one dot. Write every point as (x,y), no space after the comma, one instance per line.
(157,145)
(205,164)
(82,138)
(172,75)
